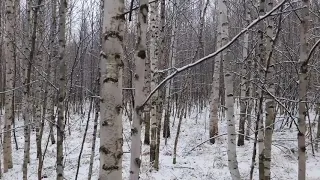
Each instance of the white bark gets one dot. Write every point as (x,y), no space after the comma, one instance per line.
(243,87)
(9,54)
(111,90)
(232,153)
(214,99)
(139,84)
(303,82)
(270,104)
(261,59)
(50,69)
(62,89)
(154,51)
(26,100)
(318,129)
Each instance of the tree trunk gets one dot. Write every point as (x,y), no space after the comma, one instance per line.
(214,98)
(51,74)
(261,59)
(147,89)
(318,129)
(139,95)
(111,64)
(243,86)
(232,153)
(270,104)
(94,137)
(177,137)
(303,75)
(154,51)
(9,48)
(62,89)
(147,127)
(26,100)
(161,94)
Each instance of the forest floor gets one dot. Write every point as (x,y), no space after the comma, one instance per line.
(206,162)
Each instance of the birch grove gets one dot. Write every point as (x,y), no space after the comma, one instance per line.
(204,84)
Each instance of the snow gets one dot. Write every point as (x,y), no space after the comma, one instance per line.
(206,162)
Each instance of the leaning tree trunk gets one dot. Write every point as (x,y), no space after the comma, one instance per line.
(62,89)
(232,153)
(303,75)
(9,58)
(139,84)
(111,64)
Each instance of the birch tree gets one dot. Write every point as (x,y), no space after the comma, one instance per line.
(270,104)
(214,99)
(9,60)
(160,77)
(27,99)
(232,153)
(50,67)
(154,52)
(26,71)
(303,80)
(111,90)
(140,58)
(261,60)
(62,89)
(244,86)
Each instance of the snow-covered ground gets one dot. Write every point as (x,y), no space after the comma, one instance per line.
(206,162)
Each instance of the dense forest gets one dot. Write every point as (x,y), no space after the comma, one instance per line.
(159,89)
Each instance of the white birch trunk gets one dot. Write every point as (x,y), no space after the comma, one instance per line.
(243,86)
(171,63)
(62,89)
(9,54)
(139,84)
(303,82)
(26,100)
(232,153)
(154,51)
(318,129)
(270,104)
(261,59)
(50,69)
(214,99)
(111,65)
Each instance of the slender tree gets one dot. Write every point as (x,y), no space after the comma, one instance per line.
(214,99)
(62,88)
(9,60)
(270,104)
(232,153)
(139,84)
(303,80)
(111,90)
(154,52)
